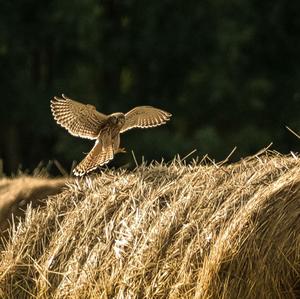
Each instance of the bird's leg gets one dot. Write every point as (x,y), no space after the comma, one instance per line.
(120,150)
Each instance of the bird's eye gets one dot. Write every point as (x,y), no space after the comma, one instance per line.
(114,120)
(121,119)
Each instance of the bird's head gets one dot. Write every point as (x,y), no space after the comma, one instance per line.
(117,119)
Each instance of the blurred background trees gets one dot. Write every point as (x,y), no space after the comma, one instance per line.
(228,71)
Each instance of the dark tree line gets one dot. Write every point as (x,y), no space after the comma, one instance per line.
(229,71)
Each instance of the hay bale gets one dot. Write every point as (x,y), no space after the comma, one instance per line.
(17,193)
(164,231)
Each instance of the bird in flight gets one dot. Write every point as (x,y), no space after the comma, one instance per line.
(86,122)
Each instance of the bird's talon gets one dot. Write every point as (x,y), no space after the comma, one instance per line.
(121,150)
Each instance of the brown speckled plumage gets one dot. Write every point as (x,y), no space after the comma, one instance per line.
(85,121)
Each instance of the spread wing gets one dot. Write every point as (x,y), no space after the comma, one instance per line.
(79,119)
(145,117)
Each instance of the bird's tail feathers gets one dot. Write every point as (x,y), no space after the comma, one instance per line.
(100,154)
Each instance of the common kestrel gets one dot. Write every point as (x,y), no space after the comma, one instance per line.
(86,122)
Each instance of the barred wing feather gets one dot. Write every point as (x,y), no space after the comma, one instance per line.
(145,117)
(79,119)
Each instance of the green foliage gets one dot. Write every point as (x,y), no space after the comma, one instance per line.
(227,71)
